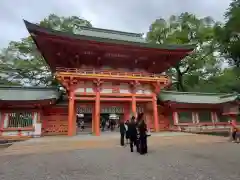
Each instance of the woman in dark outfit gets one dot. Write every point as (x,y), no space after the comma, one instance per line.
(142,128)
(122,132)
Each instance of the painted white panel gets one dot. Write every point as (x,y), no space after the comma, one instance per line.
(175,117)
(124,91)
(38,130)
(27,133)
(124,88)
(79,90)
(89,90)
(106,87)
(10,133)
(147,92)
(140,91)
(147,89)
(35,116)
(5,125)
(106,91)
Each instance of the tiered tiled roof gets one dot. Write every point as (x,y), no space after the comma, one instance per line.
(197,97)
(16,93)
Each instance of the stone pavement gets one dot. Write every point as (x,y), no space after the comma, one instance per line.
(178,157)
(63,143)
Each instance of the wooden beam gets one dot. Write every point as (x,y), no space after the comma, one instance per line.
(86,98)
(115,99)
(143,100)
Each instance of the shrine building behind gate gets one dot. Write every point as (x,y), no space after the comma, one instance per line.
(102,71)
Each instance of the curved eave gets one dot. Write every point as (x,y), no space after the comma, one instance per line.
(189,104)
(34,29)
(36,100)
(26,103)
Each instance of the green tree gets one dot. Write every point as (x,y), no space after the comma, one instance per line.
(188,29)
(21,61)
(228,34)
(228,37)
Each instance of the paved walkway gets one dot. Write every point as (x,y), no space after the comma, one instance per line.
(56,144)
(180,157)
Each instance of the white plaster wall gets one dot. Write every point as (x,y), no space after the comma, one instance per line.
(147,89)
(15,133)
(106,88)
(10,133)
(89,90)
(139,90)
(89,86)
(79,90)
(5,125)
(37,126)
(200,128)
(124,88)
(144,89)
(27,133)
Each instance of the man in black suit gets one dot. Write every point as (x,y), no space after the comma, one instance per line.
(132,130)
(122,132)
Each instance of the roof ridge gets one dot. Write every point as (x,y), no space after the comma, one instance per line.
(112,31)
(196,93)
(33,28)
(229,95)
(27,87)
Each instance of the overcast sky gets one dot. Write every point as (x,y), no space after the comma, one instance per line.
(125,15)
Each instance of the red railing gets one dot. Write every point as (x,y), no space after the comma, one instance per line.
(110,72)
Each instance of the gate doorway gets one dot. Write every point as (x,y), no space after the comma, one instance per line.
(110,122)
(84,123)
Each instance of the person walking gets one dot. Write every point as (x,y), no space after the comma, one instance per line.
(103,124)
(122,132)
(142,128)
(127,131)
(132,130)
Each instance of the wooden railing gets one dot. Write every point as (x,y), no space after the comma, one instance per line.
(111,73)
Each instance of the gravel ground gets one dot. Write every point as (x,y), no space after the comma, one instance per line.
(193,161)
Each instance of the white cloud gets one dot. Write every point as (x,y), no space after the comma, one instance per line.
(126,15)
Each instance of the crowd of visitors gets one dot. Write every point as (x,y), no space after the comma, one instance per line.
(136,132)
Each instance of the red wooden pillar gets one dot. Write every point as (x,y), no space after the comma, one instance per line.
(97,112)
(71,118)
(134,106)
(155,113)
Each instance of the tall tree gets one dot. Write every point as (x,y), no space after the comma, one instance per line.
(188,29)
(21,61)
(228,34)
